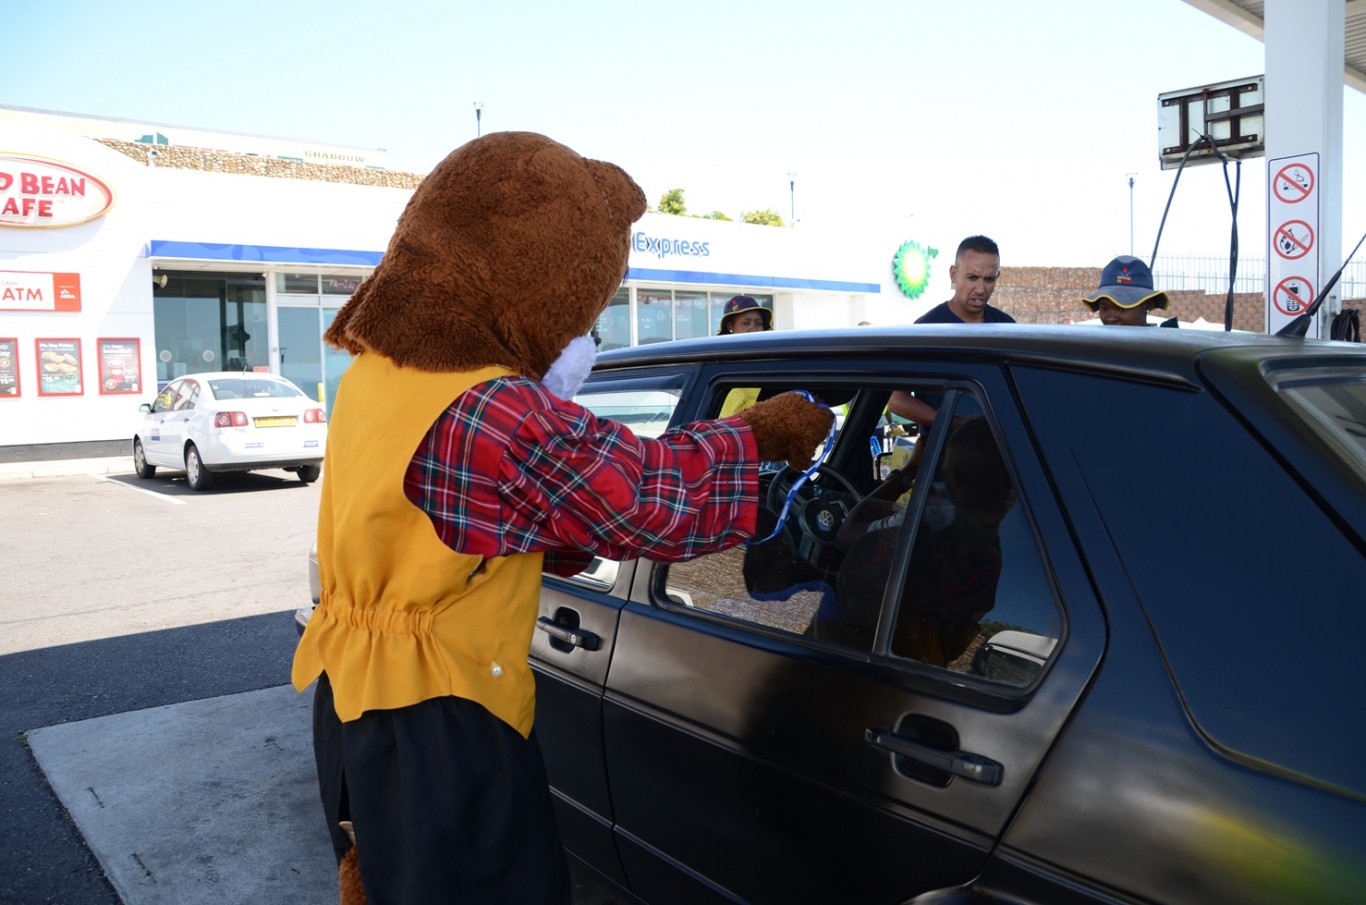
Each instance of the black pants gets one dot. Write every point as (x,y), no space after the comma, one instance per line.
(450,804)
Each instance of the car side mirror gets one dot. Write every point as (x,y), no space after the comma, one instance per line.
(145,407)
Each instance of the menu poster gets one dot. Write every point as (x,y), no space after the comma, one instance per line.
(119,360)
(59,367)
(9,368)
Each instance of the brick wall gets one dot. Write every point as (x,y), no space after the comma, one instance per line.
(251,165)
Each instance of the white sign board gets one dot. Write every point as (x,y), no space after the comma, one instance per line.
(1293,253)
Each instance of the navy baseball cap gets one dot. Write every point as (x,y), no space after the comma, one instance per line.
(1127,282)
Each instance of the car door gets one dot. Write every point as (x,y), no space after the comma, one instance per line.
(774,740)
(160,438)
(573,644)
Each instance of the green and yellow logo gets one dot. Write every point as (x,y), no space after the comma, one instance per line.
(911,267)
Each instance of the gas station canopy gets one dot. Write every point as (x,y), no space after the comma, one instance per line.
(1248,16)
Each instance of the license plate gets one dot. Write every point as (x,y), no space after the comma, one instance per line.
(282,421)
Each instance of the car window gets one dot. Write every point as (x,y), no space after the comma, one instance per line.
(974,598)
(1333,403)
(185,399)
(166,399)
(950,571)
(646,406)
(252,388)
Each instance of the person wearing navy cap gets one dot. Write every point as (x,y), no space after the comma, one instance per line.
(1126,294)
(744,314)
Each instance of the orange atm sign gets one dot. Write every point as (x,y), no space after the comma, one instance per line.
(36,192)
(24,291)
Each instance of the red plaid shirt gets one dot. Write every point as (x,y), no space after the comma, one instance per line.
(510,468)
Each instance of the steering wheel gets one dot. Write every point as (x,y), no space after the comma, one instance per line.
(819,507)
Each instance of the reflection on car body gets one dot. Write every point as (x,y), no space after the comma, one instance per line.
(1035,683)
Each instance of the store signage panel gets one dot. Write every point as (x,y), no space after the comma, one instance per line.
(1294,258)
(9,368)
(59,367)
(119,363)
(47,194)
(22,290)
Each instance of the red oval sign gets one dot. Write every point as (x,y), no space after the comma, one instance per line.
(35,192)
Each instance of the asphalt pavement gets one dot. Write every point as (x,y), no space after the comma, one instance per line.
(124,791)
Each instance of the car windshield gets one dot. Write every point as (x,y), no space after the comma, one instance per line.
(251,388)
(1334,404)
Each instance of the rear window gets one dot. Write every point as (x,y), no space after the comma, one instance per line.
(252,388)
(1333,404)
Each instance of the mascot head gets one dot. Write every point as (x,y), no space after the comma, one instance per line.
(508,250)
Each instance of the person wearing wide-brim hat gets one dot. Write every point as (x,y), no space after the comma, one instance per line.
(744,314)
(1126,294)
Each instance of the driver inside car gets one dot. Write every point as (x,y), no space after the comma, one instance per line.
(955,564)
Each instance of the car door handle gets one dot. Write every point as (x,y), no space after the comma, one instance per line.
(970,766)
(575,636)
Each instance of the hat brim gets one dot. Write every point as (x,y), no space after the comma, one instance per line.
(763,312)
(1125,297)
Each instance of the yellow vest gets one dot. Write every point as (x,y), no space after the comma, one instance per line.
(403,618)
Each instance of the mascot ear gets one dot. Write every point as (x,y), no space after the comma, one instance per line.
(624,198)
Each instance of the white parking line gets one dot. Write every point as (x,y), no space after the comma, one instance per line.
(151,493)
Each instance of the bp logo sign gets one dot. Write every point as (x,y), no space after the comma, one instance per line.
(911,267)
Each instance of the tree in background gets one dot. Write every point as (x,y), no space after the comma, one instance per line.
(672,203)
(768,217)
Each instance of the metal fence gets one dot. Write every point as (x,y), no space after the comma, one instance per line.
(1210,274)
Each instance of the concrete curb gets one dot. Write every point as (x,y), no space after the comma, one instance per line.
(58,468)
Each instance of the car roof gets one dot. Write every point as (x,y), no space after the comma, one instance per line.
(1154,352)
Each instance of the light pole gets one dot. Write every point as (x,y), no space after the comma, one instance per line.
(1131,216)
(478,126)
(792,200)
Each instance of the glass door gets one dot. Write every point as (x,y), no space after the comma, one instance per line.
(301,349)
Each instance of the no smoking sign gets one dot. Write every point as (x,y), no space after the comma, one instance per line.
(1293,183)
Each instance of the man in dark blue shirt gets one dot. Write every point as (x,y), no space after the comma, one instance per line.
(973,274)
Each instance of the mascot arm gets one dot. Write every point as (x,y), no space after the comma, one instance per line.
(788,428)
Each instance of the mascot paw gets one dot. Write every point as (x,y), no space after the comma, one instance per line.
(348,874)
(788,428)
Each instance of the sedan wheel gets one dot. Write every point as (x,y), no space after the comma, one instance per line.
(196,475)
(140,462)
(309,473)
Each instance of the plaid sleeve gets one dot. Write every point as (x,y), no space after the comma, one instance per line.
(509,468)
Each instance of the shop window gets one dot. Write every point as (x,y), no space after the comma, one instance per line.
(296,283)
(613,329)
(340,283)
(654,315)
(209,322)
(690,315)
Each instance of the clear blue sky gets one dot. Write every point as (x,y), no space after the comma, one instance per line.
(927,118)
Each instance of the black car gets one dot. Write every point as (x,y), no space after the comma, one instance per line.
(1104,652)
(1118,666)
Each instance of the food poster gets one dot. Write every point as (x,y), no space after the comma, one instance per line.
(119,360)
(9,368)
(59,367)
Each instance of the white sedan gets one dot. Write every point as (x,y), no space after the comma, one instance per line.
(230,421)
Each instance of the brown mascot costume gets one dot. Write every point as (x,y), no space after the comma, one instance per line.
(458,470)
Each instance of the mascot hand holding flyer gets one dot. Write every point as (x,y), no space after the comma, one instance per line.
(457,470)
